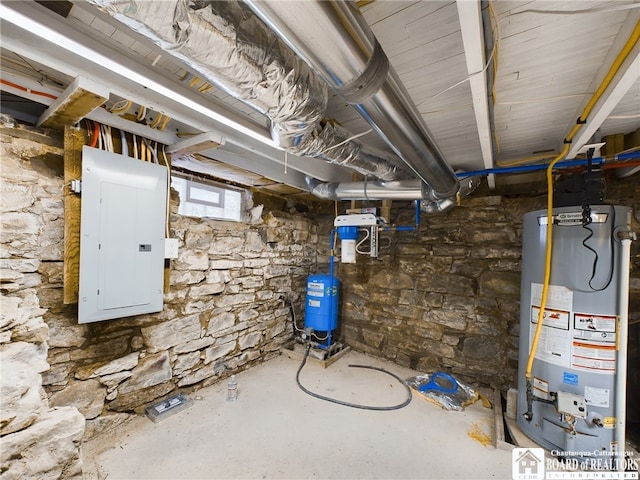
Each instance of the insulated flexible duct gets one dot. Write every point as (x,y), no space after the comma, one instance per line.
(336,41)
(226,44)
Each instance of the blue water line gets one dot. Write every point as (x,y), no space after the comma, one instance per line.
(332,246)
(407,228)
(621,157)
(543,166)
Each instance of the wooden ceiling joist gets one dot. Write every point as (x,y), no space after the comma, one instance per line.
(78,100)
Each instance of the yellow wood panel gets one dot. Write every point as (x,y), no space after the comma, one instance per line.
(74,139)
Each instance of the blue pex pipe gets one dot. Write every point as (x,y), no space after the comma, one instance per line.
(543,166)
(407,228)
(332,246)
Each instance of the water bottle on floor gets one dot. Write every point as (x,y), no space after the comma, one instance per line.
(232,389)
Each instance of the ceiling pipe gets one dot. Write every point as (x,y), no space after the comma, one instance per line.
(337,43)
(368,190)
(397,190)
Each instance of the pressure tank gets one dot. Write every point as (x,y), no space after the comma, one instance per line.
(321,311)
(572,402)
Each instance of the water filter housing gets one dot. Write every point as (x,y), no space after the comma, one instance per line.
(575,363)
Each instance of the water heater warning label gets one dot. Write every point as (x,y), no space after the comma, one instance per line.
(555,338)
(593,346)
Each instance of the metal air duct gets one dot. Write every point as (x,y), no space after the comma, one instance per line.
(335,40)
(228,46)
(395,190)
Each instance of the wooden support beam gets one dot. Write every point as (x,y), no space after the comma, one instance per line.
(385,210)
(196,144)
(167,262)
(74,139)
(78,100)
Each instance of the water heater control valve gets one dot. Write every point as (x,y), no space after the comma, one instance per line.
(571,404)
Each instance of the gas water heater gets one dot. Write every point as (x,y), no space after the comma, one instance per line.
(576,397)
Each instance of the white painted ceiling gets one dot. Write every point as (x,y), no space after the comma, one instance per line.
(542,63)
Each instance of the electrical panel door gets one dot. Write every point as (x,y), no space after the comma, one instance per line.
(122,229)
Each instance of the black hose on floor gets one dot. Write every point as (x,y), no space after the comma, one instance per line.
(354,405)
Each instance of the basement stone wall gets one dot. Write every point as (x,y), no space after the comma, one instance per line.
(37,439)
(447,298)
(227,307)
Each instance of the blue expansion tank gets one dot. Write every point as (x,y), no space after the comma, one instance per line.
(321,311)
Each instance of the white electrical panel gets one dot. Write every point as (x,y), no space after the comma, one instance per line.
(122,228)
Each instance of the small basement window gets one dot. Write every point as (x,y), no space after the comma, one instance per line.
(204,199)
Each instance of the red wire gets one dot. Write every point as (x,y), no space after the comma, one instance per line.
(25,89)
(94,140)
(621,164)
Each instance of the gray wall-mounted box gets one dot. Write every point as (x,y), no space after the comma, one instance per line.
(122,230)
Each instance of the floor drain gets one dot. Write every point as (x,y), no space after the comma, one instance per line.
(168,407)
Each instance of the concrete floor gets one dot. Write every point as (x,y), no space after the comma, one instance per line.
(274,430)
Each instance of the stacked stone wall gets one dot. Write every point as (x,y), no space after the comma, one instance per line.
(36,439)
(447,297)
(226,309)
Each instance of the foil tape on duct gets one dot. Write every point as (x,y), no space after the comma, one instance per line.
(230,47)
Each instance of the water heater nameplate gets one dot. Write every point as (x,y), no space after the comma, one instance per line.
(572,218)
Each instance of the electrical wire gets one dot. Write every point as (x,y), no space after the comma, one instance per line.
(135,146)
(28,90)
(108,138)
(123,141)
(96,133)
(354,405)
(150,151)
(167,233)
(473,74)
(141,113)
(121,107)
(293,316)
(164,123)
(157,121)
(99,137)
(143,150)
(366,237)
(595,253)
